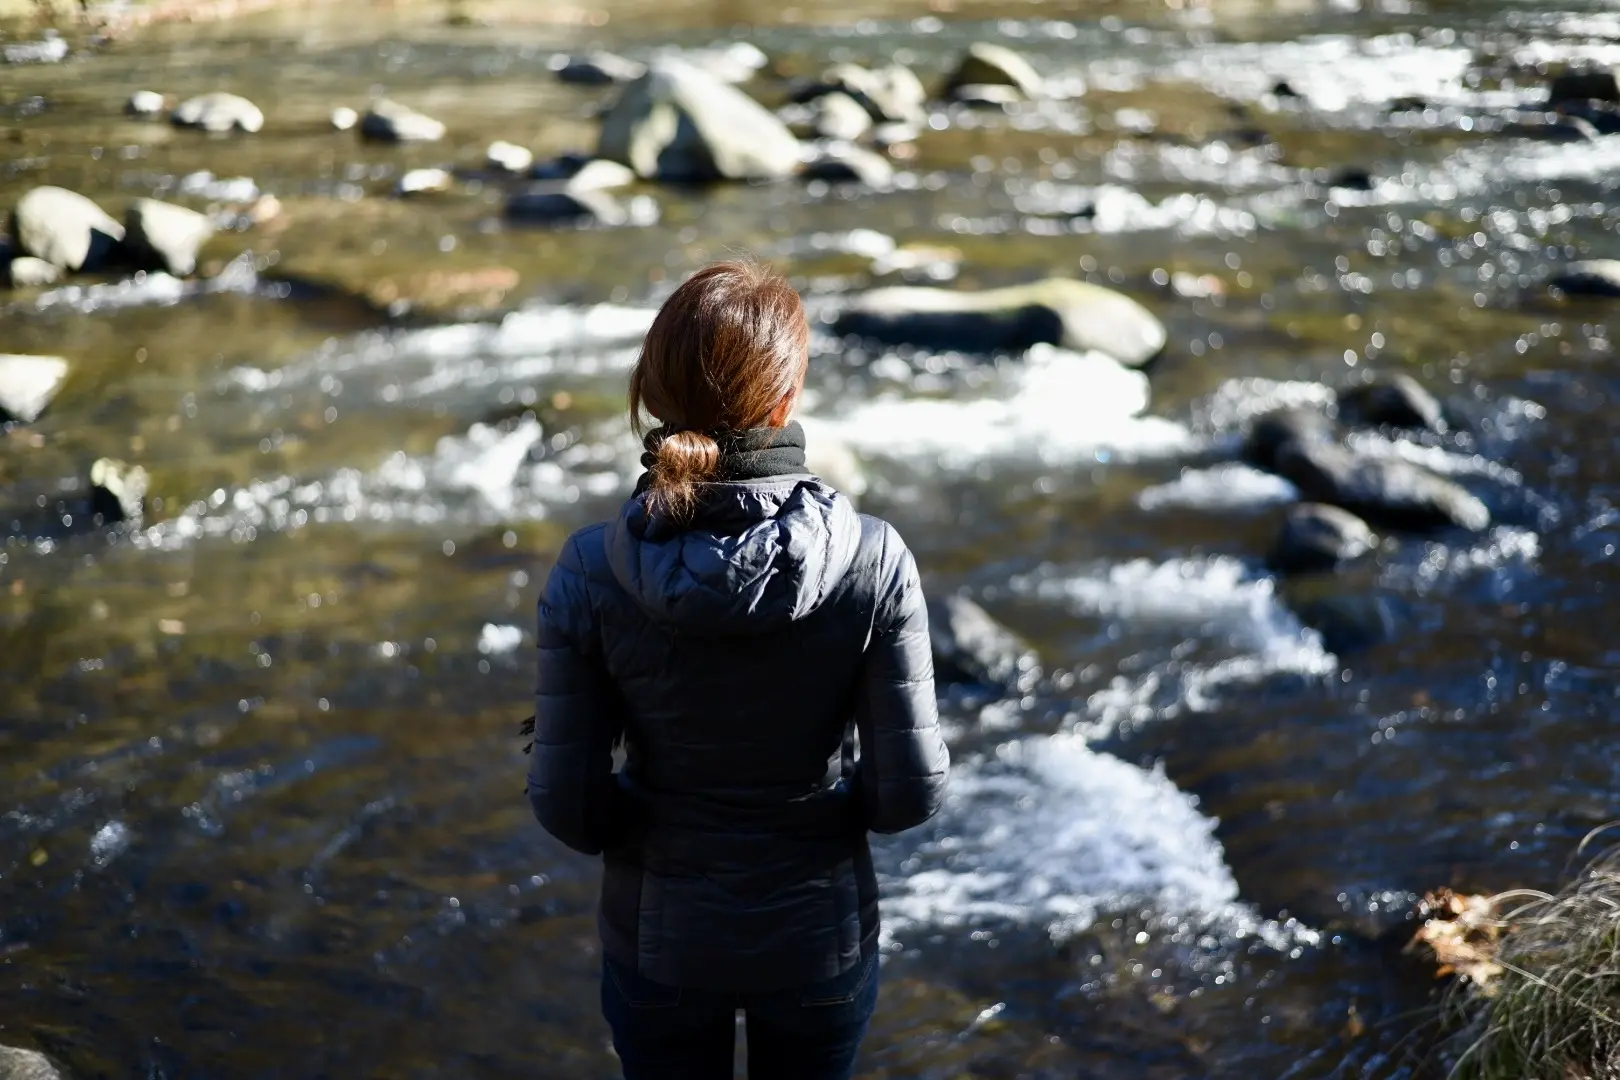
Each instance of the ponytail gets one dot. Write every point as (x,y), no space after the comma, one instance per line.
(681,461)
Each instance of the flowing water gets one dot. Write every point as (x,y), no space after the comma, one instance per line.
(261,804)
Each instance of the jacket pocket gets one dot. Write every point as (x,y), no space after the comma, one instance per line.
(841,989)
(639,992)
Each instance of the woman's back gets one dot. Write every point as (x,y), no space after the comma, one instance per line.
(761,652)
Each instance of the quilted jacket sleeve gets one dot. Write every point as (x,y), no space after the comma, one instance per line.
(577,718)
(901,775)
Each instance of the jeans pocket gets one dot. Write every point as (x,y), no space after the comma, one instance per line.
(638,992)
(841,989)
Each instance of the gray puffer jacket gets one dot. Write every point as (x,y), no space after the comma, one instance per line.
(737,660)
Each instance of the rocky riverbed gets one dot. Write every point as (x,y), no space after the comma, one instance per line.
(1240,373)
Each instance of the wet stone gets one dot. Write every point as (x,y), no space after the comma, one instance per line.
(1351,178)
(18,1064)
(556,203)
(145,103)
(986,96)
(1395,401)
(166,236)
(389,121)
(28,272)
(839,116)
(971,647)
(1595,277)
(995,65)
(1058,311)
(508,157)
(891,94)
(64,229)
(681,123)
(1572,86)
(344,118)
(600,175)
(845,163)
(424,181)
(28,384)
(597,69)
(1394,493)
(1315,537)
(117,491)
(219,112)
(1269,433)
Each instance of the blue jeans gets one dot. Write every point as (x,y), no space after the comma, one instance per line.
(673,1033)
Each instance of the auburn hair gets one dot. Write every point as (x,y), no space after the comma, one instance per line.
(724,351)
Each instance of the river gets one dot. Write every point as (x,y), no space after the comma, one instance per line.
(261,804)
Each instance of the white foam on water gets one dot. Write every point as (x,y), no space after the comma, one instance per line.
(1055,406)
(1112,209)
(1047,831)
(1229,486)
(110,841)
(1333,72)
(1237,401)
(523,345)
(143,289)
(1216,599)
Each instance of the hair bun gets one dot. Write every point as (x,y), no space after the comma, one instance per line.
(681,461)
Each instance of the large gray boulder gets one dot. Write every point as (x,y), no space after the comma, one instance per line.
(1316,537)
(995,65)
(389,121)
(166,236)
(27,385)
(18,1064)
(219,112)
(1059,311)
(1394,401)
(64,228)
(971,647)
(1594,277)
(680,123)
(1388,492)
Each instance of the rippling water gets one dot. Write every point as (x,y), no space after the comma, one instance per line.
(262,812)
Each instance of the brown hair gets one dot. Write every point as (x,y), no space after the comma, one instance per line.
(724,351)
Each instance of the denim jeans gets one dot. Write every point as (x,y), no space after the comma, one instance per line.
(673,1033)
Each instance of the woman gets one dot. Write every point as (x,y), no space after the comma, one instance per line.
(735,628)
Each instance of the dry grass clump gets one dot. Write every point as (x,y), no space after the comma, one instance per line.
(1540,996)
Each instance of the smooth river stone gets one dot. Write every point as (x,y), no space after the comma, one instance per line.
(680,123)
(64,228)
(1059,311)
(28,384)
(1316,537)
(219,112)
(972,647)
(995,65)
(1386,492)
(166,235)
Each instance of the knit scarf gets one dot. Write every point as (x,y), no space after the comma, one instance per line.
(754,454)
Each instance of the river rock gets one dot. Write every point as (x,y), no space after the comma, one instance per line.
(1396,401)
(844,162)
(344,118)
(1581,86)
(680,123)
(1316,537)
(1059,311)
(995,65)
(597,69)
(145,104)
(117,491)
(28,272)
(1595,277)
(27,385)
(987,95)
(219,112)
(839,116)
(1395,493)
(1348,614)
(168,236)
(557,203)
(64,228)
(18,1064)
(562,166)
(424,181)
(389,121)
(509,157)
(971,647)
(601,175)
(1268,434)
(891,94)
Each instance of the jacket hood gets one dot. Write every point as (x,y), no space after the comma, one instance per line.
(758,555)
